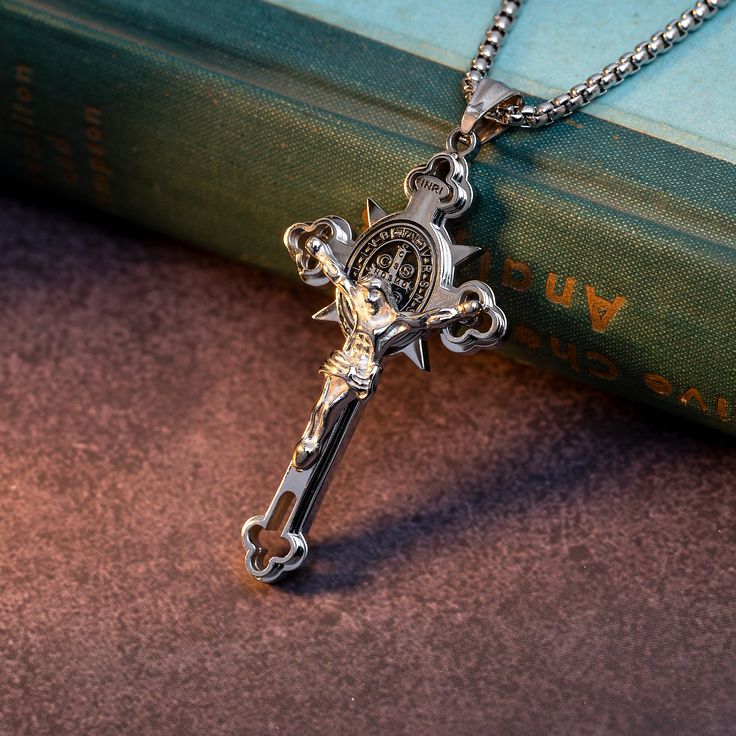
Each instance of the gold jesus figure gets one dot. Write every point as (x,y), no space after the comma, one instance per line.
(375,325)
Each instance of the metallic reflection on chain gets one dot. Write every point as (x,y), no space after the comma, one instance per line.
(537,116)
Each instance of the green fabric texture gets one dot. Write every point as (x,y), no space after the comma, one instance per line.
(222,123)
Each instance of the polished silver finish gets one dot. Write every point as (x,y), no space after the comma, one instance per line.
(490,100)
(394,286)
(537,116)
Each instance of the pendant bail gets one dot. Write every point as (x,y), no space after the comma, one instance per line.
(490,96)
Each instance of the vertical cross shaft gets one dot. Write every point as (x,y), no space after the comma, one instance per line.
(296,502)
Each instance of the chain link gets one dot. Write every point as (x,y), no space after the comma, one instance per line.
(537,116)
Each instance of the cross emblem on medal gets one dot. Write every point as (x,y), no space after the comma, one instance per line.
(394,286)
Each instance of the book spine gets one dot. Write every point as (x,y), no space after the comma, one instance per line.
(611,252)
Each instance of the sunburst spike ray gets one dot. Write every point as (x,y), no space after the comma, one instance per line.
(461,253)
(418,353)
(375,213)
(328,313)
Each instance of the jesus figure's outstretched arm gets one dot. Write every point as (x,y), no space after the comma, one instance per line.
(435,318)
(331,267)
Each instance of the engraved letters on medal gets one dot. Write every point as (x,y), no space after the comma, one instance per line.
(394,285)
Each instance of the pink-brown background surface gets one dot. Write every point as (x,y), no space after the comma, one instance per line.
(501,552)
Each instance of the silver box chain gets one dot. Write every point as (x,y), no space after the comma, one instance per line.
(537,116)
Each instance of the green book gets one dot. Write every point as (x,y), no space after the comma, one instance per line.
(610,250)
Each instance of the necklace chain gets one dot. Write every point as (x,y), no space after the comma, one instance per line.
(537,116)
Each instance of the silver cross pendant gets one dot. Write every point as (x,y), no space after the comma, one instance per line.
(394,286)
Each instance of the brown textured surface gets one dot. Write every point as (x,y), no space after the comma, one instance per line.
(502,552)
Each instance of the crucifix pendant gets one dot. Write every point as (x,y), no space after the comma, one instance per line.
(394,286)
